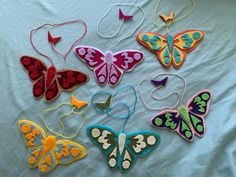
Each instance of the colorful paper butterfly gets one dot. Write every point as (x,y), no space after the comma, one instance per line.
(109,67)
(189,119)
(53,40)
(45,152)
(168,18)
(124,17)
(115,106)
(171,49)
(104,105)
(50,81)
(121,150)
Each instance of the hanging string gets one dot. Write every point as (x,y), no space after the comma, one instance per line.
(52,46)
(62,118)
(121,24)
(180,96)
(154,17)
(108,109)
(130,109)
(134,106)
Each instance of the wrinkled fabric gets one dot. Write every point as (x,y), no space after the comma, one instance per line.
(211,65)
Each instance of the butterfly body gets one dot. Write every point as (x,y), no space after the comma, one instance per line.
(171,50)
(50,75)
(170,41)
(187,120)
(46,152)
(49,81)
(109,67)
(121,143)
(121,149)
(109,59)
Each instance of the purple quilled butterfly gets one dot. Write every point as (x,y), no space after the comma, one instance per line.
(189,119)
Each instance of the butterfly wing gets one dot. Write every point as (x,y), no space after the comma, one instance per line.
(36,70)
(141,143)
(157,44)
(198,107)
(102,73)
(66,80)
(126,160)
(172,120)
(91,56)
(127,60)
(106,140)
(64,152)
(94,58)
(34,156)
(68,151)
(115,75)
(48,163)
(33,136)
(137,145)
(199,104)
(124,61)
(53,91)
(71,79)
(185,42)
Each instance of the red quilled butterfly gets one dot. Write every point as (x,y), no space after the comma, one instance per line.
(49,81)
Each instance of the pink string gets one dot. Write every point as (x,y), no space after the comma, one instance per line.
(52,46)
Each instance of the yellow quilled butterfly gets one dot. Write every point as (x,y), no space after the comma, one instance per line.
(46,152)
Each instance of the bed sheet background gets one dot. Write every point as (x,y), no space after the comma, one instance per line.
(212,65)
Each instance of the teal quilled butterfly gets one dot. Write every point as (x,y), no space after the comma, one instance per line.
(120,149)
(189,119)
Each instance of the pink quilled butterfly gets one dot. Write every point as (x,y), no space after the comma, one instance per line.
(49,81)
(109,67)
(189,119)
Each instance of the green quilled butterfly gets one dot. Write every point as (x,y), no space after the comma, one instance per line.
(189,119)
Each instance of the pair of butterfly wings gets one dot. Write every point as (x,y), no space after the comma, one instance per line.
(136,145)
(197,108)
(39,74)
(171,50)
(63,152)
(111,72)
